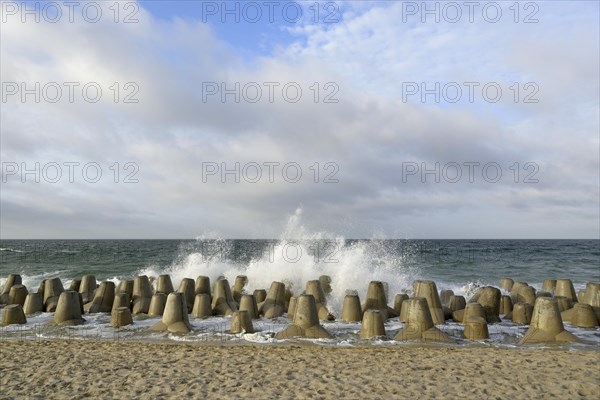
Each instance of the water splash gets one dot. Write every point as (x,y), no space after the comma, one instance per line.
(297,256)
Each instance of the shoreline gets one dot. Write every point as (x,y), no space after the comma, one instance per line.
(128,369)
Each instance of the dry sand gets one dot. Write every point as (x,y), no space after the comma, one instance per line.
(123,370)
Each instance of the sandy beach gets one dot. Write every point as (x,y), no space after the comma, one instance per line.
(71,369)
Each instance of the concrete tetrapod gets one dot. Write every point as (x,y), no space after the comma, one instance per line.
(121,300)
(521,313)
(546,324)
(457,303)
(247,303)
(87,287)
(142,295)
(376,300)
(428,290)
(125,286)
(260,295)
(549,285)
(222,302)
(12,279)
(445,297)
(506,284)
(398,299)
(202,285)
(164,284)
(474,320)
(591,296)
(564,287)
(306,321)
(157,304)
(515,289)
(526,294)
(419,324)
(292,306)
(489,297)
(202,306)
(68,309)
(506,304)
(351,310)
(564,304)
(13,314)
(187,287)
(314,288)
(52,290)
(34,302)
(326,284)
(241,322)
(75,285)
(372,325)
(238,287)
(581,315)
(17,295)
(103,299)
(274,304)
(175,317)
(121,316)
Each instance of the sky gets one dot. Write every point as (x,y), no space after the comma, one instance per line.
(386,119)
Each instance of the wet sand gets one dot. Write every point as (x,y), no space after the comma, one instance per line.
(112,369)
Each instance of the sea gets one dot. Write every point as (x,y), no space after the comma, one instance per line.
(458,265)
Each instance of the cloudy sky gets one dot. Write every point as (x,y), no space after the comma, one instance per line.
(375,119)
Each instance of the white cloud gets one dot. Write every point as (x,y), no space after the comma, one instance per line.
(369,134)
